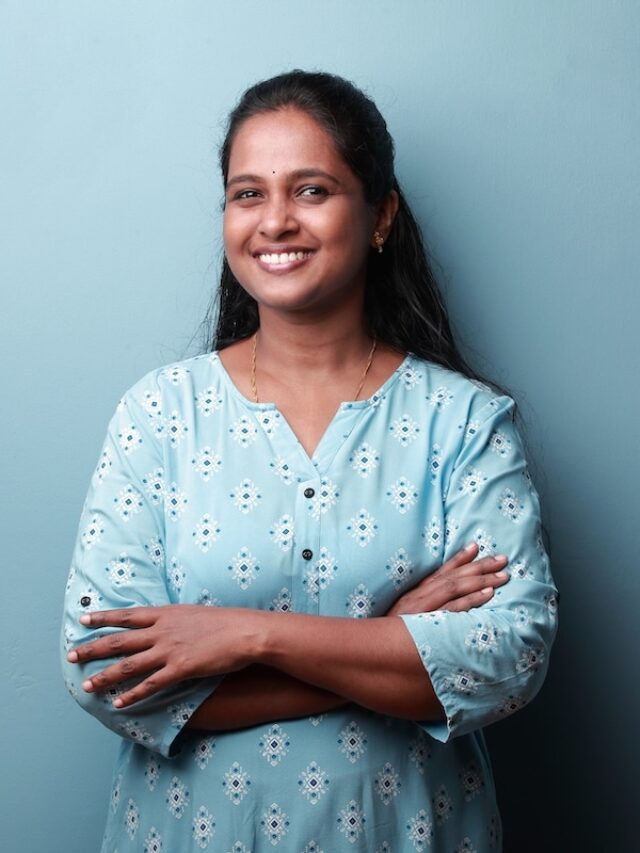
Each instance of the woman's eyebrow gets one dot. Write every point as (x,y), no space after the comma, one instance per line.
(244,179)
(310,172)
(313,173)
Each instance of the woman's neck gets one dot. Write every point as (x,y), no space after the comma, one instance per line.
(316,347)
(308,366)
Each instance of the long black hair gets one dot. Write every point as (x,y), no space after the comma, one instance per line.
(403,304)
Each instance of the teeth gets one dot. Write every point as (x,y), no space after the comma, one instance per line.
(283,257)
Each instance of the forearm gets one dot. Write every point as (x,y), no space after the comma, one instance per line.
(260,694)
(372,662)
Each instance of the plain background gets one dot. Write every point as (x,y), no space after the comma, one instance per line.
(517,127)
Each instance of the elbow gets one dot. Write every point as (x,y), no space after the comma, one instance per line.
(530,683)
(532,661)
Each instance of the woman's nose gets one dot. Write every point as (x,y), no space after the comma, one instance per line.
(277,218)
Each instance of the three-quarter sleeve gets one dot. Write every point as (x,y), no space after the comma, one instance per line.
(490,661)
(119,562)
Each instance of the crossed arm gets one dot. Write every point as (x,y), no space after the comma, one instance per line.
(283,665)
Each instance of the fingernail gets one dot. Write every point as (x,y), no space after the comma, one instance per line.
(118,703)
(85,620)
(72,657)
(502,575)
(87,686)
(488,590)
(470,547)
(500,557)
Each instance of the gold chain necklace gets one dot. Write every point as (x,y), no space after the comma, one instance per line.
(254,384)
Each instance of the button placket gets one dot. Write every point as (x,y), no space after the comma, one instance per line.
(308,538)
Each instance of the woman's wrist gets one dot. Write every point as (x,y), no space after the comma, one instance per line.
(259,635)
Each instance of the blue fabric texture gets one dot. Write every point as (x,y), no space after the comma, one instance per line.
(199,497)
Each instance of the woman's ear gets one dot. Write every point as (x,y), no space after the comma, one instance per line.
(386,214)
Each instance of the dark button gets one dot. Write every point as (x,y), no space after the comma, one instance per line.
(309,493)
(85,601)
(307,554)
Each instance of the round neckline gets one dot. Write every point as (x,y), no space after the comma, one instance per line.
(347,405)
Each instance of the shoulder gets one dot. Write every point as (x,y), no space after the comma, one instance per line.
(452,395)
(167,401)
(175,382)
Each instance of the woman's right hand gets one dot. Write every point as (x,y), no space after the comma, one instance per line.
(459,584)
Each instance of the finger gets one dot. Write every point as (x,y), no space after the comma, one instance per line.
(469,567)
(465,555)
(123,670)
(129,617)
(468,602)
(487,565)
(120,643)
(157,681)
(450,588)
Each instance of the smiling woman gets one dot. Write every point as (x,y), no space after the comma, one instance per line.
(297,228)
(287,595)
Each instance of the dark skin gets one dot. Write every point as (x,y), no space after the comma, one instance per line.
(298,234)
(160,645)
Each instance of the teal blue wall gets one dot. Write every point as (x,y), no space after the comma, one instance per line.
(517,127)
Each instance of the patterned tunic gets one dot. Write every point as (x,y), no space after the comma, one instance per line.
(202,496)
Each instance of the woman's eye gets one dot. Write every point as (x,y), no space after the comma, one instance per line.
(244,195)
(313,192)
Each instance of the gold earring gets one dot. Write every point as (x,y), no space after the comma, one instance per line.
(378,239)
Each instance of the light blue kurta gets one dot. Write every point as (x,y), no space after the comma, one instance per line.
(202,496)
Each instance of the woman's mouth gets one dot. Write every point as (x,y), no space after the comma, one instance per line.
(282,258)
(280,263)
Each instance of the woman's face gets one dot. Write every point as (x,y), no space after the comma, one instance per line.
(297,229)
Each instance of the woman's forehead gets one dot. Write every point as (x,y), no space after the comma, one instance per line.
(287,139)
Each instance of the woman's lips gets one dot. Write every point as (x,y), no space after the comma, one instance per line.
(282,261)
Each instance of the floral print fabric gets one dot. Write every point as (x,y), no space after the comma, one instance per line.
(202,496)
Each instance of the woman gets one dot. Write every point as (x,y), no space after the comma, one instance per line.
(325,461)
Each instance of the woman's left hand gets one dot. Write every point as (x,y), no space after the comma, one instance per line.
(165,645)
(463,582)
